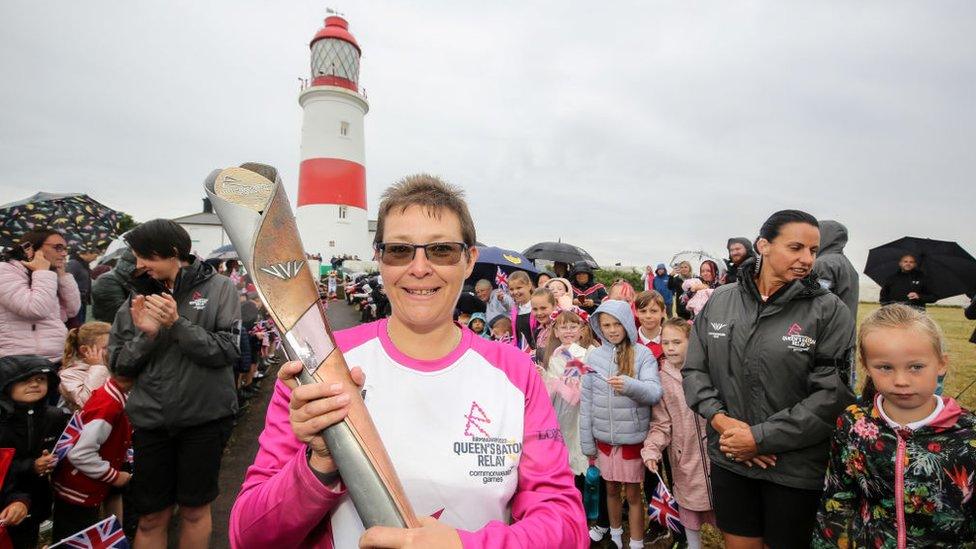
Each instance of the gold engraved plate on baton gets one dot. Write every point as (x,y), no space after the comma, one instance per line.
(244,187)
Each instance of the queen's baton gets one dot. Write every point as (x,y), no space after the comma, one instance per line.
(255,213)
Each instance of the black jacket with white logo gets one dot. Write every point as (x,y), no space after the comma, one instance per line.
(779,366)
(185,375)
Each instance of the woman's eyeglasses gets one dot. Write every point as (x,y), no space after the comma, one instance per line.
(398,254)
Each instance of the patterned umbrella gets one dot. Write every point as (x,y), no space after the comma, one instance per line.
(224,253)
(86,224)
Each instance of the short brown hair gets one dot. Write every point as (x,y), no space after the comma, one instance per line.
(647,297)
(432,194)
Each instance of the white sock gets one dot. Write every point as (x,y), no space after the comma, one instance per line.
(636,544)
(617,536)
(694,538)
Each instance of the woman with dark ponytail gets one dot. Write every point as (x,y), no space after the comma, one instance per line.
(766,366)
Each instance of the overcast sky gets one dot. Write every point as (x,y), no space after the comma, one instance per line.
(634,130)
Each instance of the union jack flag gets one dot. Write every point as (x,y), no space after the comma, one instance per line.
(577,368)
(663,508)
(501,280)
(69,437)
(526,348)
(104,535)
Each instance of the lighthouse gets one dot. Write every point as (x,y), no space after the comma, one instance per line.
(331,210)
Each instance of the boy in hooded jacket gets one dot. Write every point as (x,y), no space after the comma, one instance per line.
(31,427)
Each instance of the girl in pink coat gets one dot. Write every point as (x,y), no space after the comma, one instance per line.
(676,427)
(36,297)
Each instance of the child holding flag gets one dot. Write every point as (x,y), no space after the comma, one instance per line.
(675,427)
(30,426)
(616,412)
(96,461)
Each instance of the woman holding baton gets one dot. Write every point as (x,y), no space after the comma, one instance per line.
(467,422)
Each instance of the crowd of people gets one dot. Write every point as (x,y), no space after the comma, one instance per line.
(120,385)
(729,383)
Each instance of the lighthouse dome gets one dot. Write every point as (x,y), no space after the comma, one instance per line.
(335,55)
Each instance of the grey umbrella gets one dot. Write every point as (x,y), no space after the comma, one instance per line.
(224,253)
(559,251)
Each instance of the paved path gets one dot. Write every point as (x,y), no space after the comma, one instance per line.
(243,444)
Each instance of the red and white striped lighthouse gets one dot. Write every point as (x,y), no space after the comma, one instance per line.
(332,178)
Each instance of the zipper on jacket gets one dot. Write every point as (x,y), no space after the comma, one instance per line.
(900,455)
(703,450)
(30,429)
(613,362)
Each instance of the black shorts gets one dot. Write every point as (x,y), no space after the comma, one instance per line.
(177,465)
(783,517)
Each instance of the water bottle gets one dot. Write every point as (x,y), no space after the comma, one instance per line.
(591,492)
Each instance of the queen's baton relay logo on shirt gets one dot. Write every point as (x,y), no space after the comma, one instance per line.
(199,302)
(491,458)
(796,341)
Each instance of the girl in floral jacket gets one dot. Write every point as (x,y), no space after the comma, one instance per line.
(902,467)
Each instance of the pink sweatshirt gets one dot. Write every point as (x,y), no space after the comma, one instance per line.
(79,380)
(473,438)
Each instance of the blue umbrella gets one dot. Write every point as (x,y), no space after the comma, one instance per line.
(490,258)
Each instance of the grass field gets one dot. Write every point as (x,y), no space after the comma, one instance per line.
(962,372)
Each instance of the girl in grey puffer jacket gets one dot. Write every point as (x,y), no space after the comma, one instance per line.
(616,410)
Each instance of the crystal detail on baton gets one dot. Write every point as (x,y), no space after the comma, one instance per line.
(251,204)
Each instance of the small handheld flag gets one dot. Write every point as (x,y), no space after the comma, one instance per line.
(501,280)
(663,508)
(106,534)
(68,437)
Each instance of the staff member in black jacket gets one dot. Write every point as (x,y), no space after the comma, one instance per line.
(907,285)
(180,344)
(764,367)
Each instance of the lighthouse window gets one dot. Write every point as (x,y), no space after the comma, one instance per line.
(344,129)
(343,210)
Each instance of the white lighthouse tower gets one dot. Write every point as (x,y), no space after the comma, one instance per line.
(332,178)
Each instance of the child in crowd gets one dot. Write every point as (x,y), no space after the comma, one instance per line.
(650,316)
(523,322)
(543,305)
(564,386)
(478,325)
(901,465)
(675,427)
(562,290)
(587,292)
(95,463)
(616,412)
(31,427)
(84,367)
(501,329)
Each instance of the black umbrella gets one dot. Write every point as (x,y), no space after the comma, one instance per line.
(85,223)
(949,269)
(559,251)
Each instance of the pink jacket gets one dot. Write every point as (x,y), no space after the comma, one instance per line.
(676,427)
(282,504)
(79,380)
(33,308)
